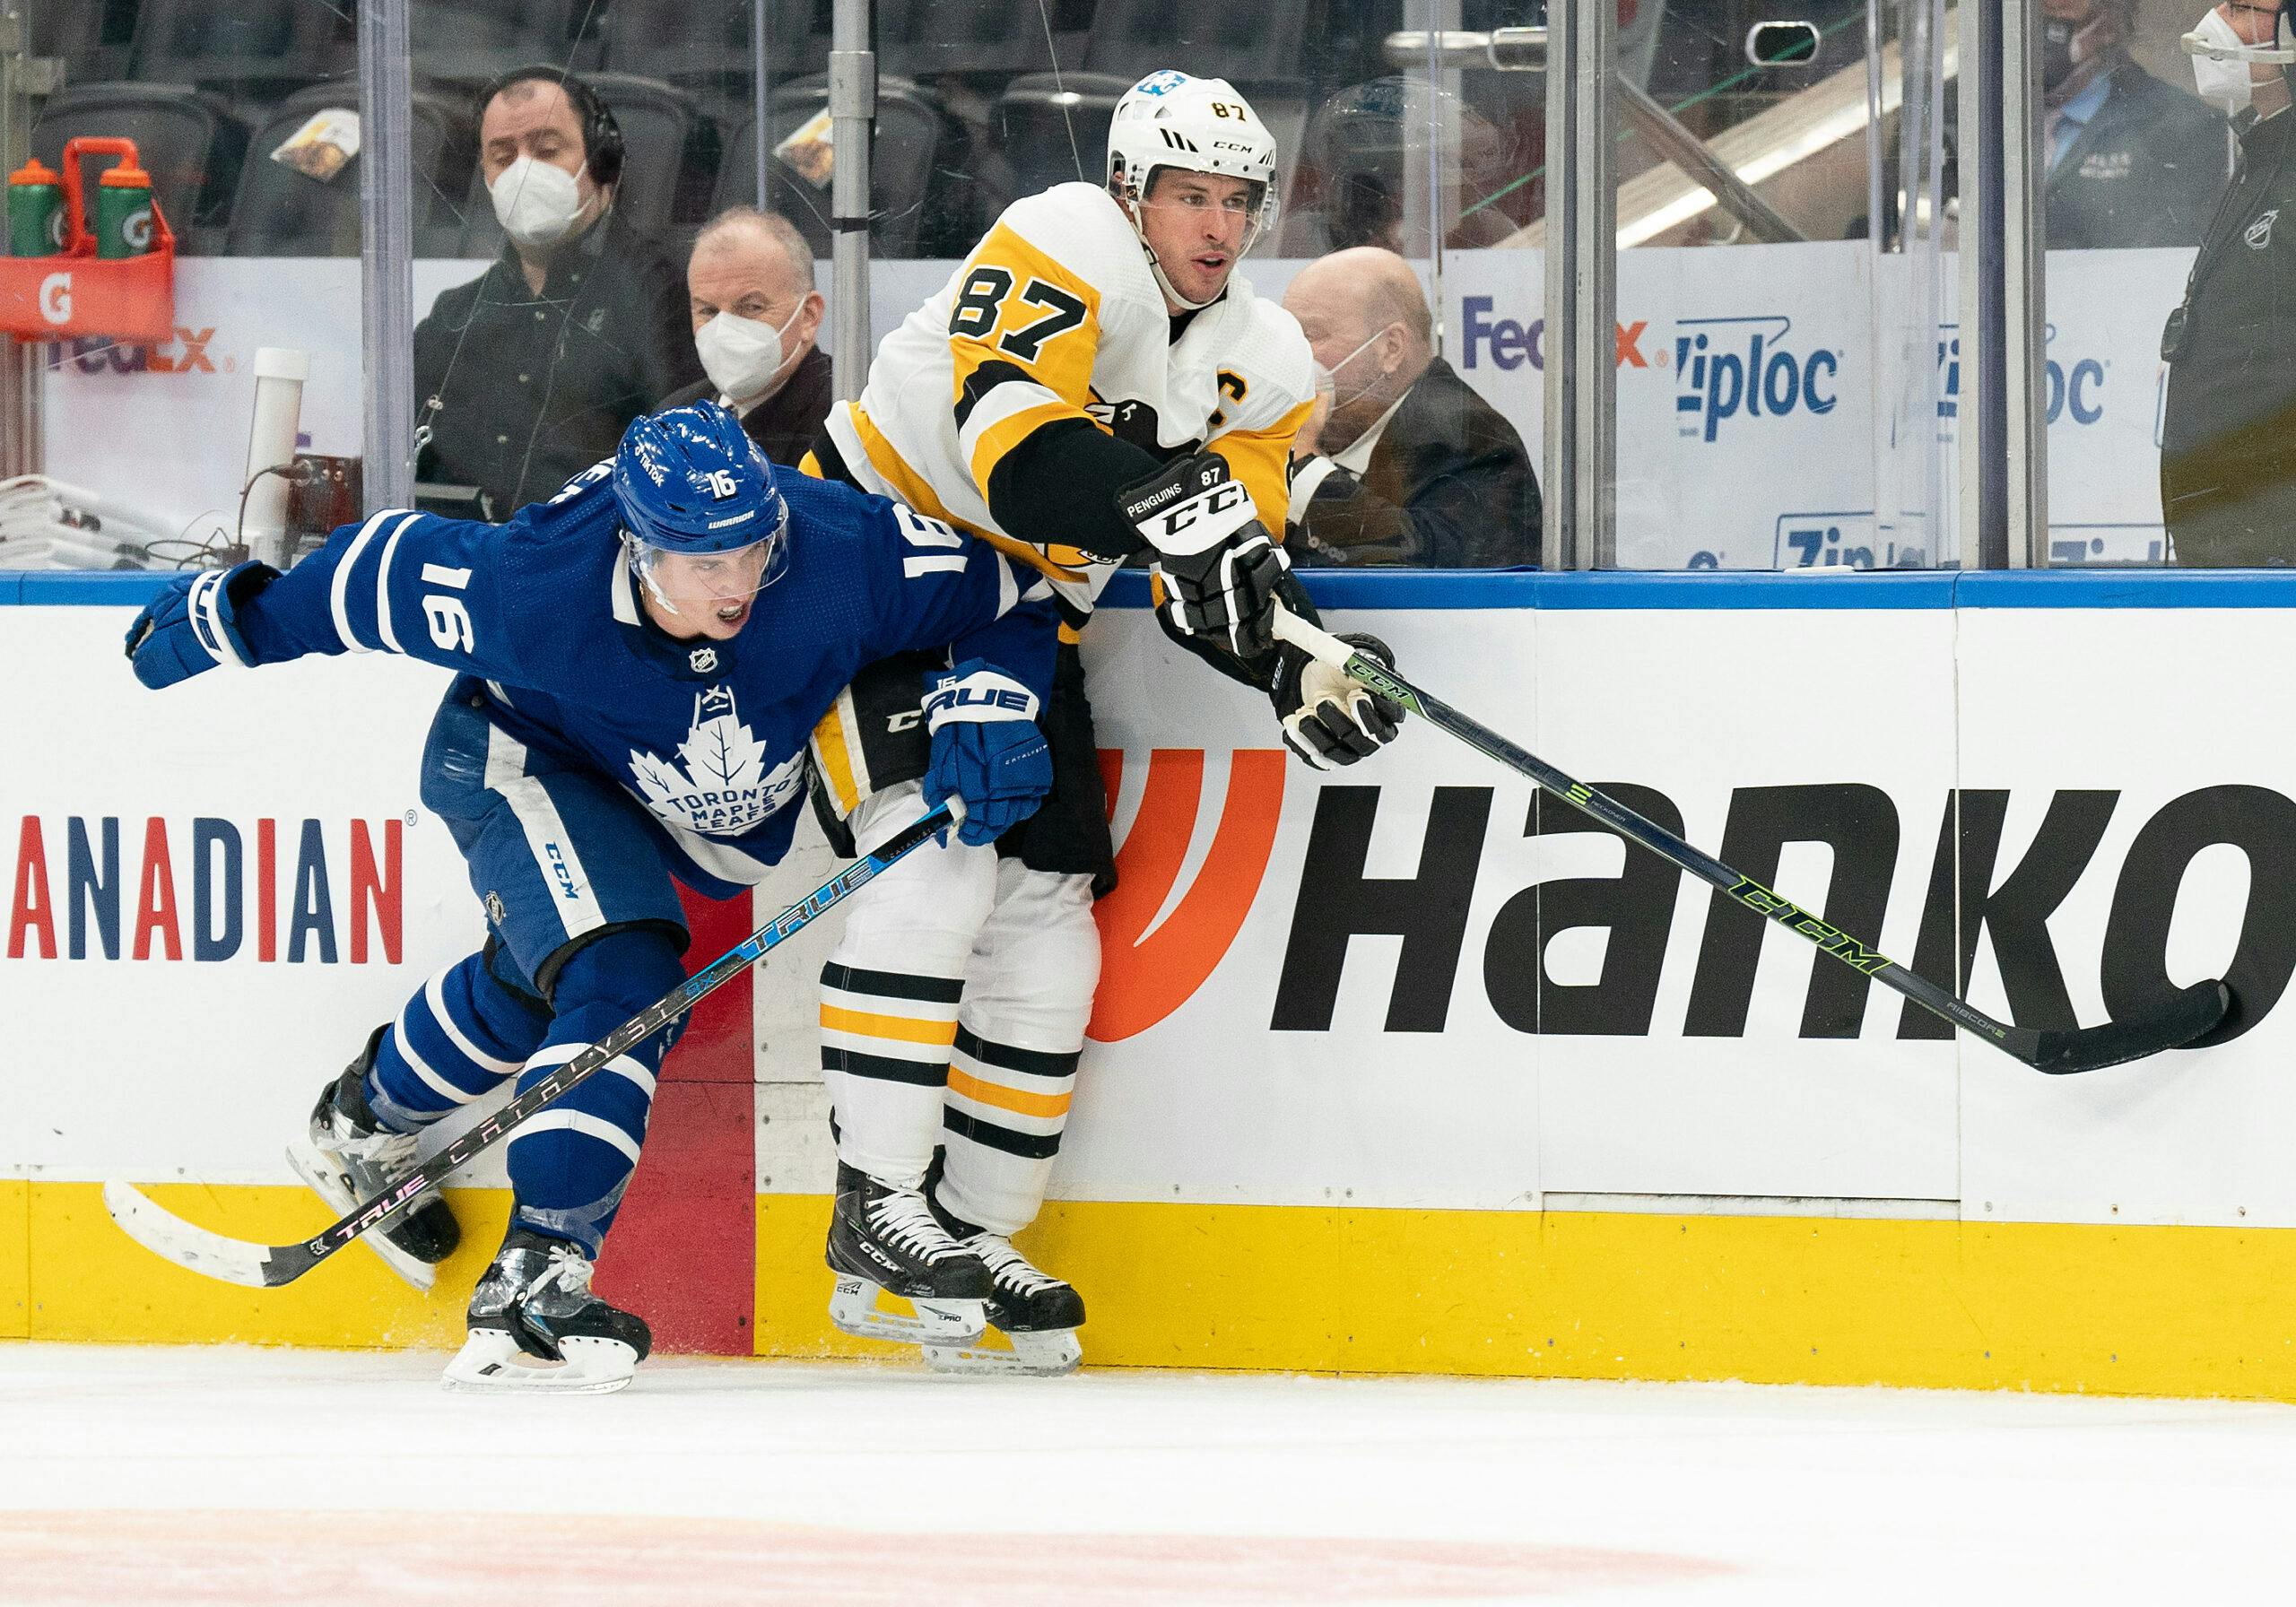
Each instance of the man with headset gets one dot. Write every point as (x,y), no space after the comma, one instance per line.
(529,373)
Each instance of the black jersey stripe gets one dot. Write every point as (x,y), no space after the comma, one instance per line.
(885,1068)
(1028,1146)
(1033,1063)
(893,985)
(986,378)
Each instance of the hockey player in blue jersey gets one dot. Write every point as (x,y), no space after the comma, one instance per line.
(640,663)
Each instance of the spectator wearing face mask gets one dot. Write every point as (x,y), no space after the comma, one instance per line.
(1401,462)
(2132,161)
(529,374)
(2228,425)
(756,317)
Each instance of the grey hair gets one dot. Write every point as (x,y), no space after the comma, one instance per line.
(773,224)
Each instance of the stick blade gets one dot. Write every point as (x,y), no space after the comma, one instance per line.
(2195,1011)
(168,1235)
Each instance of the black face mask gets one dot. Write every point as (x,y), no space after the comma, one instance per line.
(2056,51)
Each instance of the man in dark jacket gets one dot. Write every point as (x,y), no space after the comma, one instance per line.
(528,374)
(2228,432)
(2132,161)
(1403,463)
(756,317)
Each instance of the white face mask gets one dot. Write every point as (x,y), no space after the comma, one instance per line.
(2221,84)
(2222,60)
(1327,378)
(538,203)
(743,357)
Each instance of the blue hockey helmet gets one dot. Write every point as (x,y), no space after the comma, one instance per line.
(691,484)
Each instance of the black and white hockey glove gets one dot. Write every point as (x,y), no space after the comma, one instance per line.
(1330,719)
(1218,567)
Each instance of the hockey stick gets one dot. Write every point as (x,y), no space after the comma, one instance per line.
(2194,1011)
(266,1266)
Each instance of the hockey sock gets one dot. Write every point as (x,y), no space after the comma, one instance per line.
(1013,1072)
(890,994)
(455,1040)
(570,1165)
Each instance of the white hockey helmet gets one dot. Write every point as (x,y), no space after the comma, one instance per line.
(1200,125)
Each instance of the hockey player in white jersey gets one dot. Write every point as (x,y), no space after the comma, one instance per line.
(638,664)
(1094,382)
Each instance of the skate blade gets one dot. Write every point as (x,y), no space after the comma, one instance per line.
(490,1363)
(326,1182)
(1052,1354)
(866,1310)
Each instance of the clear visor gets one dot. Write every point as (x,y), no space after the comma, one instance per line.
(705,583)
(1256,207)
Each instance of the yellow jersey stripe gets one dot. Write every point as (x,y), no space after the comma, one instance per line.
(831,750)
(1008,1098)
(1007,433)
(864,1023)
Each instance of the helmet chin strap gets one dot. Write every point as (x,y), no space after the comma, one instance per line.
(1163,280)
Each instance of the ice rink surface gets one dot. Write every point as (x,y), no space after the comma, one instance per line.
(254,1477)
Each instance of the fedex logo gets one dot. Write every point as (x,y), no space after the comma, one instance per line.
(1509,344)
(1726,367)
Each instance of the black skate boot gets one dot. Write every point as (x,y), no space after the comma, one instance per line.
(899,1276)
(535,1325)
(348,1157)
(1033,1316)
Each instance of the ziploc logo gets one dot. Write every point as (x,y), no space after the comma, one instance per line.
(2075,389)
(1745,367)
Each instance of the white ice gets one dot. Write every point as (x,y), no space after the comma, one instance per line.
(253,1477)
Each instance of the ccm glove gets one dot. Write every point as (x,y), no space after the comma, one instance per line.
(1219,569)
(987,748)
(193,625)
(1330,719)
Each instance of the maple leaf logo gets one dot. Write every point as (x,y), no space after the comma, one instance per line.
(718,782)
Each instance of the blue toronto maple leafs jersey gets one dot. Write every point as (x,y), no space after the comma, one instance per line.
(541,617)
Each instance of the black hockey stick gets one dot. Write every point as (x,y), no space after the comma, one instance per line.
(266,1266)
(2195,1010)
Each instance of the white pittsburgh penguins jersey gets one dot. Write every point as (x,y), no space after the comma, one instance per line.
(1058,296)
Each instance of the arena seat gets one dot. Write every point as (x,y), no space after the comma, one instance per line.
(96,40)
(707,47)
(1039,117)
(252,51)
(925,204)
(187,139)
(470,41)
(1246,44)
(282,212)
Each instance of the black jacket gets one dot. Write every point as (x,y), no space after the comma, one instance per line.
(2228,428)
(2145,171)
(521,391)
(1449,487)
(786,424)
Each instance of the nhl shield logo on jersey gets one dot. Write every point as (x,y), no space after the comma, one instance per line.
(717,782)
(703,659)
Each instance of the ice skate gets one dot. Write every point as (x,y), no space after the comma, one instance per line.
(899,1276)
(1033,1316)
(348,1157)
(535,1325)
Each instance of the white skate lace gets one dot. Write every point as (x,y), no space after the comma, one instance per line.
(903,1220)
(568,1268)
(1008,1266)
(394,1152)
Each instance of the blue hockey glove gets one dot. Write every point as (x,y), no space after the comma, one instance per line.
(987,748)
(193,624)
